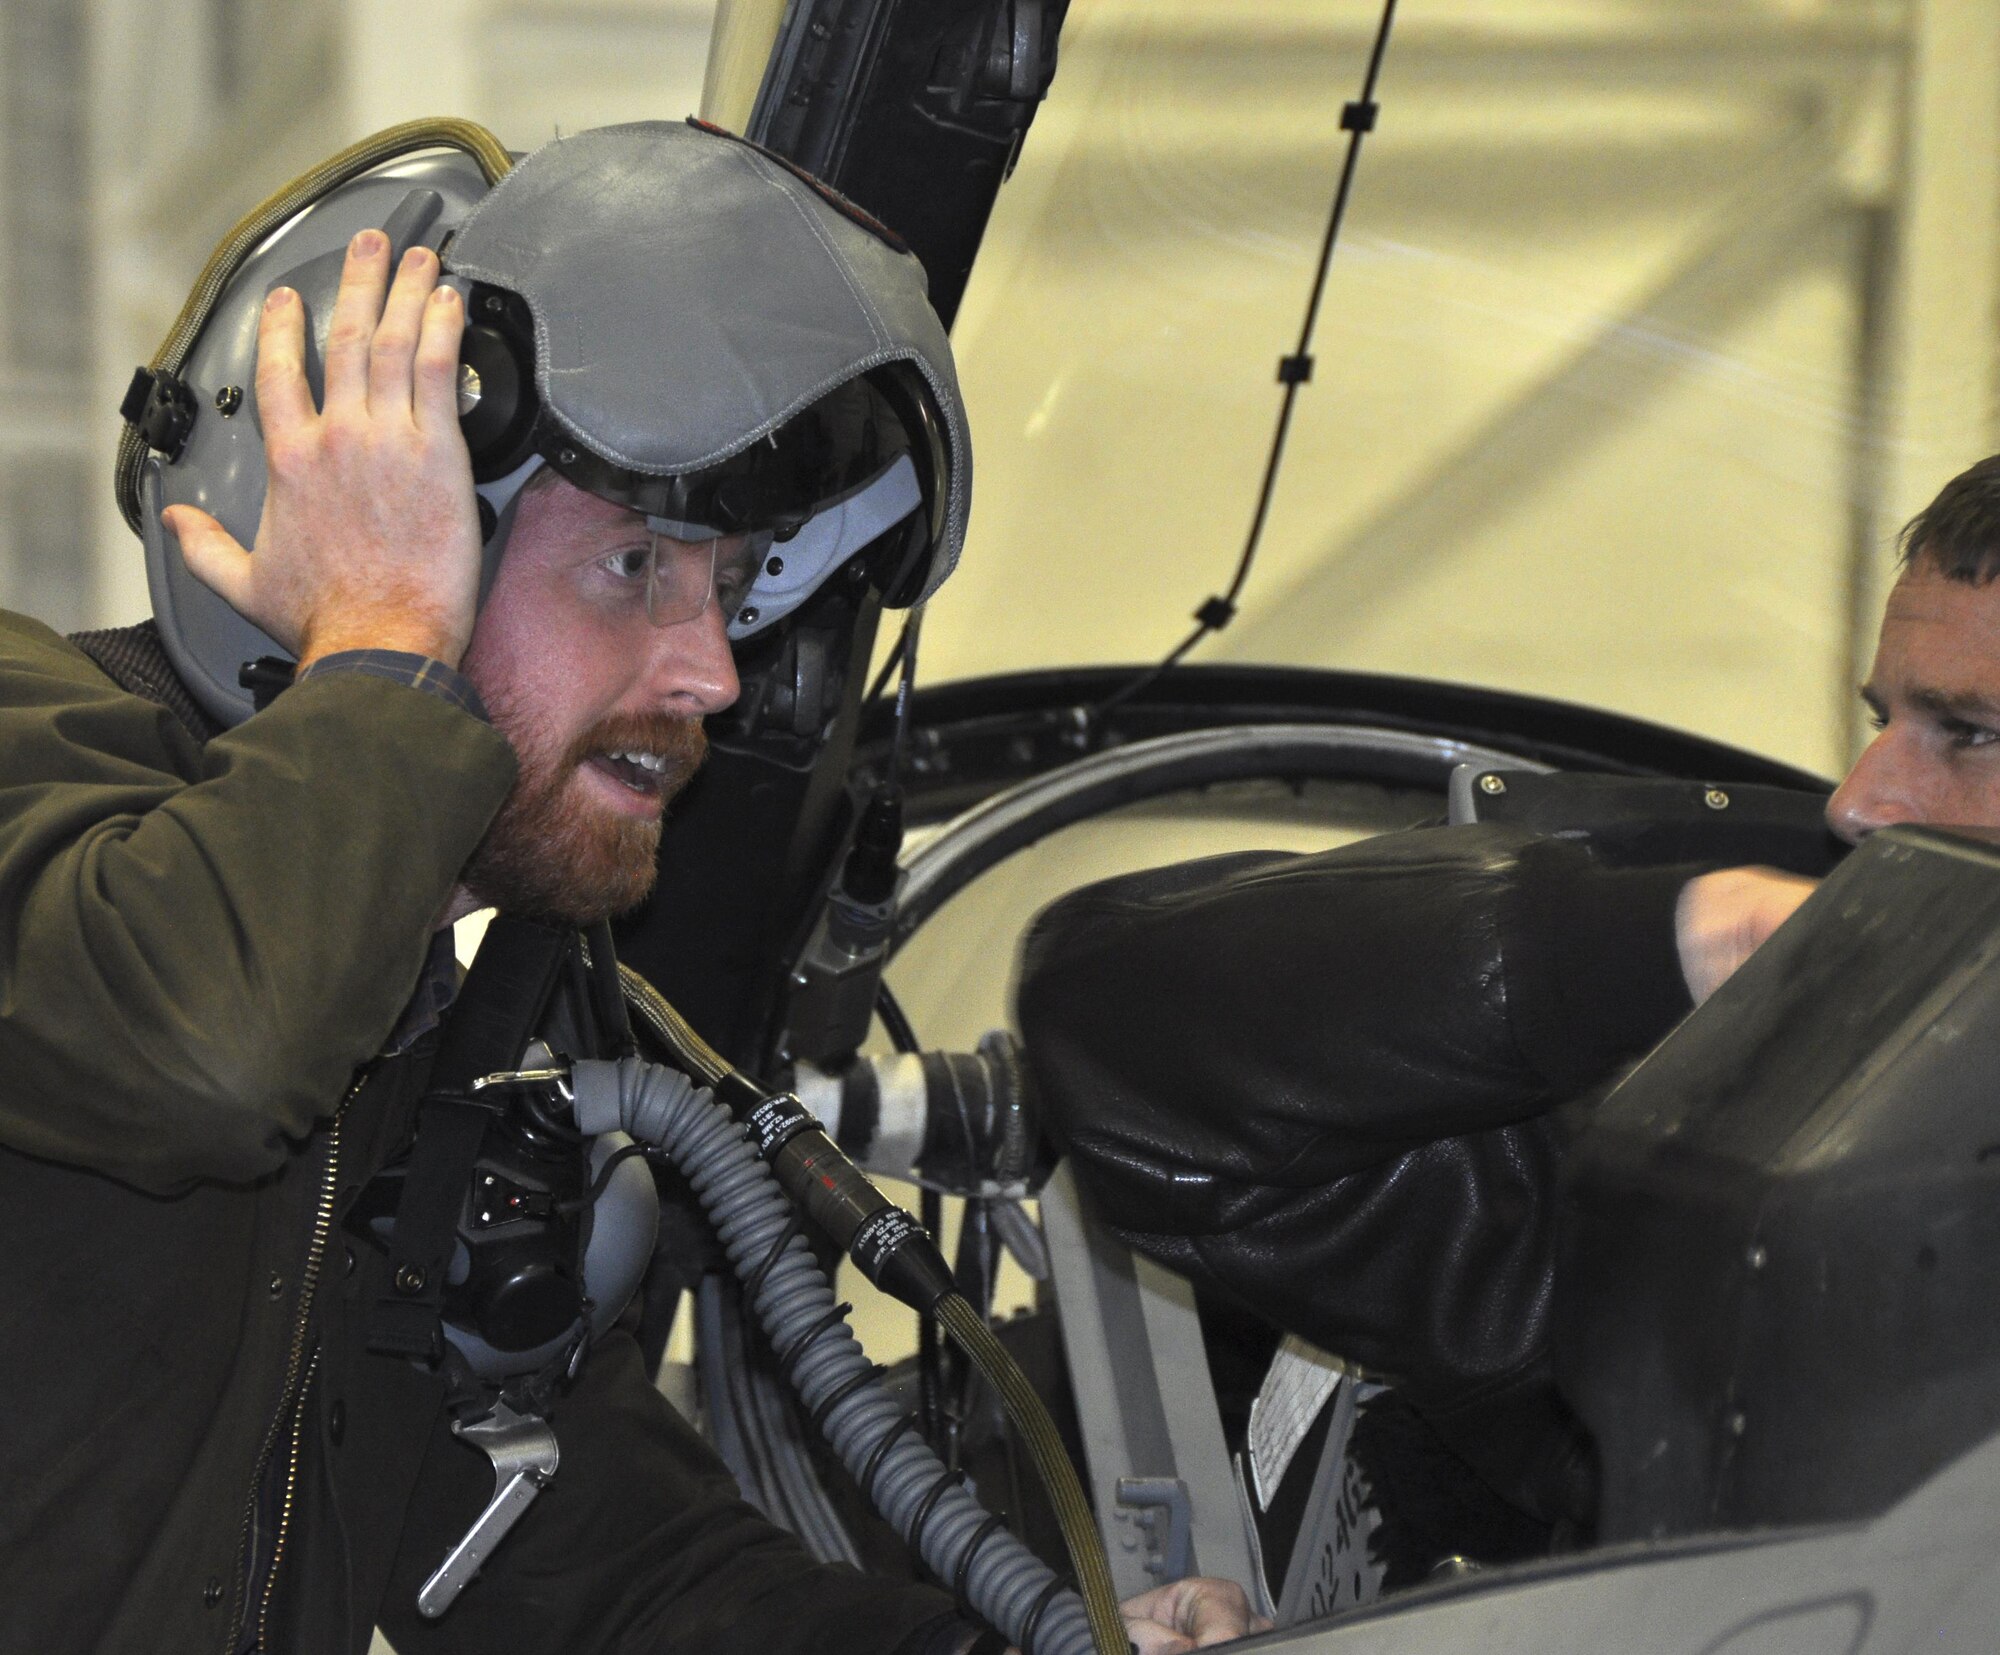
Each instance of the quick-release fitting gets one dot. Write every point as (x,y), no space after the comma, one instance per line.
(892,1249)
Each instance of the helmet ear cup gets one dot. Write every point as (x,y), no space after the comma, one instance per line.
(497,402)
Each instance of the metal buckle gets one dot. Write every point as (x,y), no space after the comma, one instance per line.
(524,1455)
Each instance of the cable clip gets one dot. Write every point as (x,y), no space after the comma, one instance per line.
(1295,370)
(1359,116)
(1216,613)
(266,678)
(161,408)
(521,1079)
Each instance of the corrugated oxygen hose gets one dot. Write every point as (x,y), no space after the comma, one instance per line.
(747,1099)
(791,1296)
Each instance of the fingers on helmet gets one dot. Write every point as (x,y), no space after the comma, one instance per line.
(435,393)
(357,307)
(393,349)
(284,400)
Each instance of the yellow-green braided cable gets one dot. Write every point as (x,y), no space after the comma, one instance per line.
(1024,1407)
(435,132)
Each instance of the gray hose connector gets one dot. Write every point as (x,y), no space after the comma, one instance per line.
(985,1565)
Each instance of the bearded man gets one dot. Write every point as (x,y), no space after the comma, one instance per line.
(226,945)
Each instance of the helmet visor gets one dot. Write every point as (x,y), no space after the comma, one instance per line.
(775,485)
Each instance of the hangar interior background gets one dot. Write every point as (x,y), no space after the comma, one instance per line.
(1652,320)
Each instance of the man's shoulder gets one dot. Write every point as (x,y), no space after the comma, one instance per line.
(32,647)
(135,659)
(41,670)
(96,691)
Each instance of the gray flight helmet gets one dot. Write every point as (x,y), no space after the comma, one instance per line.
(670,317)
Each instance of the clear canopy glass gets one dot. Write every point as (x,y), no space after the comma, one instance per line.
(1649,325)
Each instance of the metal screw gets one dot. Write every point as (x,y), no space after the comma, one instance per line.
(410,1279)
(1756,1258)
(1490,783)
(1715,799)
(228,400)
(748,617)
(211,1594)
(566,457)
(495,303)
(776,566)
(277,1285)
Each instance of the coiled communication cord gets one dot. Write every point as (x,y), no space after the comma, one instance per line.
(1357,120)
(739,1183)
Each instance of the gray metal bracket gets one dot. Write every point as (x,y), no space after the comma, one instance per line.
(1167,1516)
(1145,1403)
(524,1455)
(1473,784)
(1330,1567)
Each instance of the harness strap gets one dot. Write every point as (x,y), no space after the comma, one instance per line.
(495,1016)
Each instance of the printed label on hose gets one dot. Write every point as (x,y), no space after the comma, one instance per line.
(881,1236)
(776,1121)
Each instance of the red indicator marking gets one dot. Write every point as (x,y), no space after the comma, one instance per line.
(826,1180)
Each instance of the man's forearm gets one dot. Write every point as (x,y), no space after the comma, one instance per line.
(199,947)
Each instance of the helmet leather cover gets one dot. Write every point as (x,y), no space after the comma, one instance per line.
(718,343)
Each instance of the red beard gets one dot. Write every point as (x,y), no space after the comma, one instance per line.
(546,857)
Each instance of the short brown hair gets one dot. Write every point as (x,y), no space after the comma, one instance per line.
(1959,531)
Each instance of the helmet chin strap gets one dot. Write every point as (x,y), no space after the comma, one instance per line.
(501,497)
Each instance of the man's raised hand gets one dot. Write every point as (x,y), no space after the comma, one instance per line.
(370,532)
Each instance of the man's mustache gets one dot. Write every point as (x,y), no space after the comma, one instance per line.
(680,741)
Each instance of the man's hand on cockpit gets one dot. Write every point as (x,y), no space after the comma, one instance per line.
(1722,918)
(1195,1613)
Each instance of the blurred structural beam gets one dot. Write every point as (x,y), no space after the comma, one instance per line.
(1941,356)
(1780,217)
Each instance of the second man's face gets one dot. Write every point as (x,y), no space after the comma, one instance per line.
(1934,695)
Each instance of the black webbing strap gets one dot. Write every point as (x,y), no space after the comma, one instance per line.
(495,1015)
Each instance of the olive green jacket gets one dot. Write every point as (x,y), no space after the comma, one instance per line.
(200,949)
